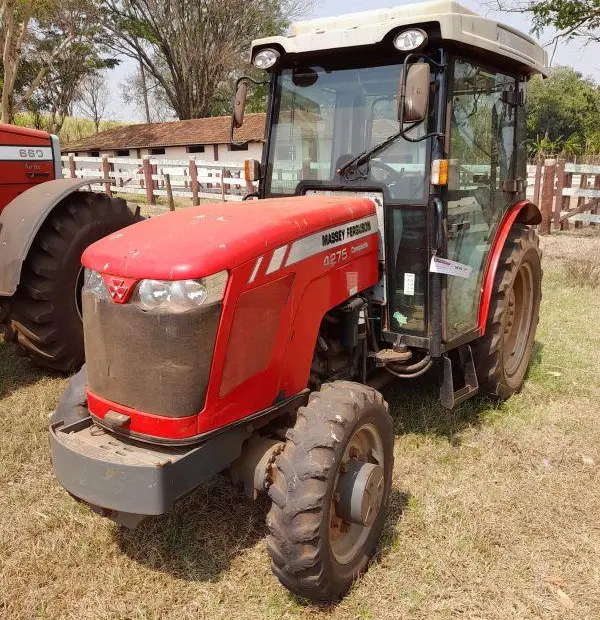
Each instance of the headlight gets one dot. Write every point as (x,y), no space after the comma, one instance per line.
(180,295)
(410,39)
(94,283)
(266,58)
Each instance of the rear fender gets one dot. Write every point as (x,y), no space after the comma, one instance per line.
(20,222)
(523,212)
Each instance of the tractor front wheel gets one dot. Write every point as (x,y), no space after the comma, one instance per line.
(331,491)
(502,355)
(45,312)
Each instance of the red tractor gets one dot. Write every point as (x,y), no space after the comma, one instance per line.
(392,238)
(45,224)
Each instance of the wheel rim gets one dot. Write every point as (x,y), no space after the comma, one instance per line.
(78,288)
(517,325)
(363,462)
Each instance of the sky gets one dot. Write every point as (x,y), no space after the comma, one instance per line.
(584,59)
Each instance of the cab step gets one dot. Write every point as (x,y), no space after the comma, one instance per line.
(463,370)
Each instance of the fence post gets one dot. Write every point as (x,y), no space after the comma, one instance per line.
(581,201)
(594,211)
(155,183)
(225,174)
(560,183)
(72,166)
(106,175)
(194,182)
(147,169)
(537,183)
(169,192)
(566,200)
(547,195)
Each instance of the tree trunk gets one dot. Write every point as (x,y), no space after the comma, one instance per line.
(144,90)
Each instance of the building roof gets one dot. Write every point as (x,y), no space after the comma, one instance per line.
(213,130)
(456,22)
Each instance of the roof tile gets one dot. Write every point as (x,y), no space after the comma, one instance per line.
(213,130)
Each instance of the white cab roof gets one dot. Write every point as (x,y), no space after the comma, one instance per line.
(457,23)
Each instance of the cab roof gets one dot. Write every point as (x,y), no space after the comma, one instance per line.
(456,22)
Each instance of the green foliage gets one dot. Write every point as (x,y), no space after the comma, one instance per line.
(562,114)
(571,18)
(73,127)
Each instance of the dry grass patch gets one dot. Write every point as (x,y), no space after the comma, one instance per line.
(495,509)
(583,272)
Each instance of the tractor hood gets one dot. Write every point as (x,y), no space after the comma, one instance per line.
(199,241)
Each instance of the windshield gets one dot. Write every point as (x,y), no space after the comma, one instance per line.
(326,118)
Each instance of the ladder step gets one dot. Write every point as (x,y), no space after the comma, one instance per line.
(449,396)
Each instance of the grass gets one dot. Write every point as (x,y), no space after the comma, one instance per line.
(495,510)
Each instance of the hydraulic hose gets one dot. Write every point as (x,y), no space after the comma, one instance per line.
(414,370)
(412,375)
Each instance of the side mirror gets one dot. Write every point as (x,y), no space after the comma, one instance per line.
(239,106)
(413,95)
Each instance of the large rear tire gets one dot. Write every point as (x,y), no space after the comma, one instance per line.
(503,354)
(45,312)
(331,491)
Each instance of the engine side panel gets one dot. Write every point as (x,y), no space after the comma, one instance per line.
(305,278)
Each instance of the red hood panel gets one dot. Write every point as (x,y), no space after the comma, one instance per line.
(199,241)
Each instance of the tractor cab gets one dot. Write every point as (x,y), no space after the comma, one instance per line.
(421,109)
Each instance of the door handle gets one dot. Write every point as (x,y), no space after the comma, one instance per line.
(454,229)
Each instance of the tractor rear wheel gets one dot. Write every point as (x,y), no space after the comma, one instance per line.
(502,355)
(331,490)
(45,312)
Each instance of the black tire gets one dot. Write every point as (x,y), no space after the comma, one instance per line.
(301,545)
(45,317)
(503,354)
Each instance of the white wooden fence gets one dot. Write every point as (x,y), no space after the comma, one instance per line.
(565,192)
(153,177)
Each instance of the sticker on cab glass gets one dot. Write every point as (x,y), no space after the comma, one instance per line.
(450,267)
(409,283)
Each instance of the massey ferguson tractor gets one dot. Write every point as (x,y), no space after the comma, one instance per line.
(391,239)
(45,224)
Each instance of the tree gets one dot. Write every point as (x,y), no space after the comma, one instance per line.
(193,48)
(145,94)
(562,109)
(570,18)
(93,98)
(43,39)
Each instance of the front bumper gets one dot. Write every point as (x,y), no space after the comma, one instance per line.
(126,479)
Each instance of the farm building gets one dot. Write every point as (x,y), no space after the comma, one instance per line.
(205,138)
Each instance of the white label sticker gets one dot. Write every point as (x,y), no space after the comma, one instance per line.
(450,267)
(409,283)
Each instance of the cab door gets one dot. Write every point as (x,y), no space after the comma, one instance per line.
(482,160)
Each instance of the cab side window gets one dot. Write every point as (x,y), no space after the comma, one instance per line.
(482,152)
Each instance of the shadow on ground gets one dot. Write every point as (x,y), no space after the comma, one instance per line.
(205,531)
(199,538)
(16,371)
(416,408)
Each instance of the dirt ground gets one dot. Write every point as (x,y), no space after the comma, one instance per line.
(495,511)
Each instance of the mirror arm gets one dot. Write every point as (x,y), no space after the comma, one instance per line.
(244,78)
(402,132)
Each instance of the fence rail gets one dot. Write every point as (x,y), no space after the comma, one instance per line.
(152,177)
(565,192)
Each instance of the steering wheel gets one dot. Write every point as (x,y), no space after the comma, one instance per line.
(387,171)
(398,182)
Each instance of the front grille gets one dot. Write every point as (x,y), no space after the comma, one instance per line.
(156,363)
